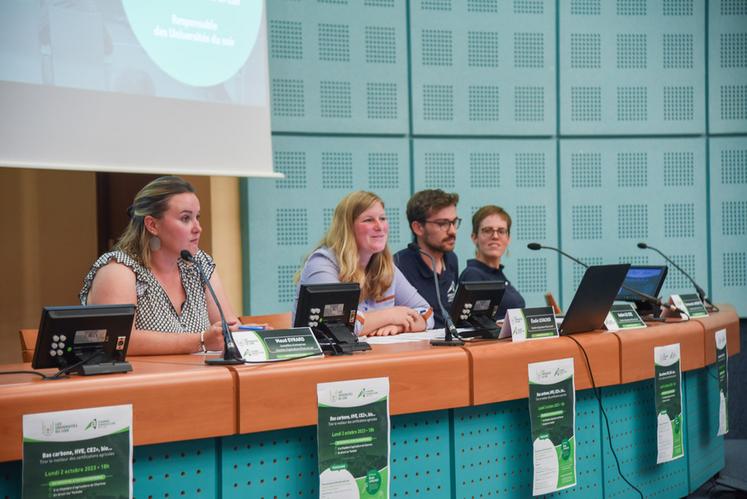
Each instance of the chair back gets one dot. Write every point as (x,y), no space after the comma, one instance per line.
(28,343)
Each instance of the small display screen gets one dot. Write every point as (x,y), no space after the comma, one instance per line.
(333,310)
(88,336)
(481,305)
(645,280)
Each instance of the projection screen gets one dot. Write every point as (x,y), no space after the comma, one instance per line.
(157,86)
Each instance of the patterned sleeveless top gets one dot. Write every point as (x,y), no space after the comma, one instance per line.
(154,310)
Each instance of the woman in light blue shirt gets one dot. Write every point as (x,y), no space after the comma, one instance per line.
(354,249)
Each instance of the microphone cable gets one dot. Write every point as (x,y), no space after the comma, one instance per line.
(598,395)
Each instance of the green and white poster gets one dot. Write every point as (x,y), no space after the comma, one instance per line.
(668,395)
(552,413)
(78,453)
(722,367)
(353,438)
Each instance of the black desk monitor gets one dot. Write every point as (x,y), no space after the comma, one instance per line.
(644,278)
(330,310)
(475,305)
(85,339)
(593,298)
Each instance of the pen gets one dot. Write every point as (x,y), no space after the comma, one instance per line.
(251,328)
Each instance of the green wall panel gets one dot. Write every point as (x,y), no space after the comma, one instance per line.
(632,67)
(483,67)
(727,56)
(290,215)
(728,167)
(618,192)
(338,66)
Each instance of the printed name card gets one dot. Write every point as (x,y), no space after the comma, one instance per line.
(690,304)
(623,316)
(276,344)
(529,324)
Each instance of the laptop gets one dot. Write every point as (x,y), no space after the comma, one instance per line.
(593,298)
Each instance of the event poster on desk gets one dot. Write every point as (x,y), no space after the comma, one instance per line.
(722,359)
(353,439)
(668,395)
(552,413)
(78,453)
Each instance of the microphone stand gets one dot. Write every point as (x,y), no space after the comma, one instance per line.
(646,297)
(698,289)
(451,335)
(231,354)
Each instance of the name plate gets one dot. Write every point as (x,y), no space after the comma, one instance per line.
(529,324)
(276,344)
(623,316)
(690,304)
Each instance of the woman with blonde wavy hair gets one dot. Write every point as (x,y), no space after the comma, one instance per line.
(354,249)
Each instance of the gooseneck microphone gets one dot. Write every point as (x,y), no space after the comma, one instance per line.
(646,297)
(701,293)
(451,335)
(231,354)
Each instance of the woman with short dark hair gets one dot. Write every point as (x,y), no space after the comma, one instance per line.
(491,234)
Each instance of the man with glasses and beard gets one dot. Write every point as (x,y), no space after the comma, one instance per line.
(432,215)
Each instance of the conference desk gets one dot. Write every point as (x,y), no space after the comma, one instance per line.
(459,416)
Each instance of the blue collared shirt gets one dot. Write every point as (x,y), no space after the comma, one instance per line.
(420,275)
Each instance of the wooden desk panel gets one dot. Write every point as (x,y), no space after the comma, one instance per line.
(726,318)
(421,378)
(637,348)
(169,402)
(500,372)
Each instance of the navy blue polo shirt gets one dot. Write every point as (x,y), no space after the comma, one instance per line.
(478,271)
(420,275)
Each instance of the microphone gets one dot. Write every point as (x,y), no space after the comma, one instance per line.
(231,354)
(451,335)
(701,293)
(537,247)
(646,297)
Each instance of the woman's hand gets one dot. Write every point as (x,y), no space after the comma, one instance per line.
(214,336)
(405,317)
(387,331)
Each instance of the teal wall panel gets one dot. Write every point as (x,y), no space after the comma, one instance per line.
(482,67)
(618,192)
(632,67)
(177,469)
(632,418)
(518,175)
(338,66)
(493,450)
(727,57)
(596,123)
(297,209)
(705,450)
(728,173)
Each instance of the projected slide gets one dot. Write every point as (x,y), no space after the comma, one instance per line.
(186,49)
(160,86)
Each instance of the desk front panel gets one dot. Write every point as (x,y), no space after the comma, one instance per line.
(500,372)
(170,402)
(421,378)
(637,348)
